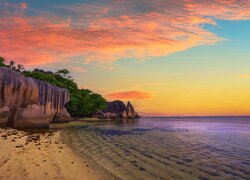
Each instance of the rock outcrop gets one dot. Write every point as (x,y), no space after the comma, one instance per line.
(28,102)
(117,109)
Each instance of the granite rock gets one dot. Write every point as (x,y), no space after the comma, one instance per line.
(28,102)
(117,109)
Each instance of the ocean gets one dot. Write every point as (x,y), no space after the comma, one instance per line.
(167,147)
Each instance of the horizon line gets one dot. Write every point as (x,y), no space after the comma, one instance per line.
(190,116)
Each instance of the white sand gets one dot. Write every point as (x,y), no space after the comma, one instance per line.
(45,158)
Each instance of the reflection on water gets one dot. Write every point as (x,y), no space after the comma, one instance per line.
(169,148)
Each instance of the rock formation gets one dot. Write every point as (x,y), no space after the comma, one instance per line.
(28,102)
(131,114)
(117,109)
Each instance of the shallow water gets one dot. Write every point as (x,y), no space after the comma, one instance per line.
(168,148)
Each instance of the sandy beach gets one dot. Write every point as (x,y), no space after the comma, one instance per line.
(40,155)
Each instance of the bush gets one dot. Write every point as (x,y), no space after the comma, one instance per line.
(2,60)
(83,102)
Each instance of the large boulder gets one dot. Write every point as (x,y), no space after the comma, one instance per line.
(28,102)
(117,109)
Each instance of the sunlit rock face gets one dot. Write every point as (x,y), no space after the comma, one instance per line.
(28,102)
(117,109)
(131,114)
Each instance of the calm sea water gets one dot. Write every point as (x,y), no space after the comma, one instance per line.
(168,148)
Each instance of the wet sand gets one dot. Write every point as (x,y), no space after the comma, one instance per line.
(40,154)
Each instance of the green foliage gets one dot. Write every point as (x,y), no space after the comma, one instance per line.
(2,60)
(63,72)
(93,102)
(83,102)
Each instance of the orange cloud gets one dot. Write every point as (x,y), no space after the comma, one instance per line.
(110,30)
(132,95)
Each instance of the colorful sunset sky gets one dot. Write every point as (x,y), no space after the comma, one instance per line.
(169,57)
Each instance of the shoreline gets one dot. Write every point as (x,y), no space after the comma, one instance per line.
(91,162)
(41,154)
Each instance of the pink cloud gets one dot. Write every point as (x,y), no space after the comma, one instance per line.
(132,95)
(110,30)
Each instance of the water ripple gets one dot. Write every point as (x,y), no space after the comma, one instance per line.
(167,149)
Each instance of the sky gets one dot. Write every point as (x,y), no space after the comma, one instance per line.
(173,58)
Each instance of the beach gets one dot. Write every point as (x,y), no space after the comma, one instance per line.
(40,154)
(150,148)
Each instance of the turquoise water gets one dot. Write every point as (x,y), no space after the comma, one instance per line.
(168,148)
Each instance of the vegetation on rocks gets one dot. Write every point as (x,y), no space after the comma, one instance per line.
(83,102)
